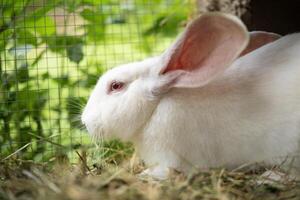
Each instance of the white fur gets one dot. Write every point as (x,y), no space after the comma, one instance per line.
(248,114)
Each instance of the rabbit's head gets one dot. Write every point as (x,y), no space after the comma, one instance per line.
(124,99)
(120,104)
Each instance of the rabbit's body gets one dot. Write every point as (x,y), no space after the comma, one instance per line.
(250,113)
(199,105)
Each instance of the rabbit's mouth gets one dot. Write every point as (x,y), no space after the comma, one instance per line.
(95,131)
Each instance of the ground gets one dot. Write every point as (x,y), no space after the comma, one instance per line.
(59,179)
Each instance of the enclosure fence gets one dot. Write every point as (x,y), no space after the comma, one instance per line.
(53,51)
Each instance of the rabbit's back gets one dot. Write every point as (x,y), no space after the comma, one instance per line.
(251,113)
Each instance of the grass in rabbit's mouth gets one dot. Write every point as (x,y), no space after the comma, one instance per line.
(113,179)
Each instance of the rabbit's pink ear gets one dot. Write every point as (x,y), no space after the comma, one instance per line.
(208,46)
(259,39)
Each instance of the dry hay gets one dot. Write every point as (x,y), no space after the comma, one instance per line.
(26,180)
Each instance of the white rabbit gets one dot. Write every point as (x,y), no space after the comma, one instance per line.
(197,106)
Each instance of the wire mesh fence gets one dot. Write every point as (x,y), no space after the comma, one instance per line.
(51,55)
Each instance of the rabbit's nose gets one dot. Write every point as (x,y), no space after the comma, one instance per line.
(85,119)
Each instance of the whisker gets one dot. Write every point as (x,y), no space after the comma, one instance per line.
(82,128)
(77,103)
(76,119)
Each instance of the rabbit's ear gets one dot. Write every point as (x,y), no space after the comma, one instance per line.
(208,46)
(259,39)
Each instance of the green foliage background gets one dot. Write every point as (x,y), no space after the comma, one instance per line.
(51,55)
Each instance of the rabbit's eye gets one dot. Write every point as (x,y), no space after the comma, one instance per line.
(115,86)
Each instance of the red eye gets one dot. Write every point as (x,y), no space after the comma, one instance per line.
(115,86)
